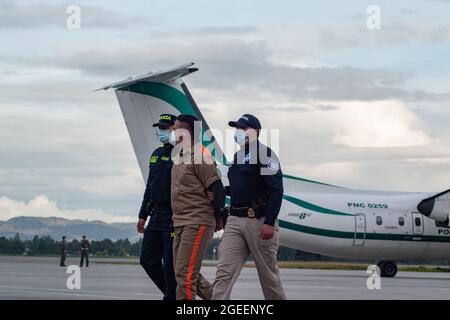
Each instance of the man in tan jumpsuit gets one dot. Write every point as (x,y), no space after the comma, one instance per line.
(195,217)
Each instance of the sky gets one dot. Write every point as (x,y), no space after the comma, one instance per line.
(357,107)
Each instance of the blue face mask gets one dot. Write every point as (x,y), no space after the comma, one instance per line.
(239,137)
(163,135)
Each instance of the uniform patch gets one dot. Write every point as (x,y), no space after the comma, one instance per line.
(165,117)
(272,164)
(153,159)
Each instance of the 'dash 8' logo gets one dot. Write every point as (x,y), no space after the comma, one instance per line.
(300,215)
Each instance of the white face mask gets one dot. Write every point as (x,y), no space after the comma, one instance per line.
(172,138)
(239,137)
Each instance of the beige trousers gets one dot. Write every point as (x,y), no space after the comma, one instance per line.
(240,239)
(189,246)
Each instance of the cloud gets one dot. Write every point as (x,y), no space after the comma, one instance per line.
(127,183)
(374,125)
(395,31)
(42,206)
(78,153)
(244,67)
(16,15)
(379,174)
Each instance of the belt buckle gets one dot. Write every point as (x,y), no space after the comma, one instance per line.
(251,213)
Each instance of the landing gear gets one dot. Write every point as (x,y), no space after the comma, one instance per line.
(388,268)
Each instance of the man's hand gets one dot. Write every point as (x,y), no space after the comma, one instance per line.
(219,223)
(140,225)
(267,232)
(210,195)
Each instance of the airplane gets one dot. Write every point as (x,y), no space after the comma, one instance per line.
(316,217)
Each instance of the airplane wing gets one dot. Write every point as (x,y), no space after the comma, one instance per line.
(436,207)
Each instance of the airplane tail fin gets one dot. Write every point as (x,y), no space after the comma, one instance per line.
(142,99)
(436,207)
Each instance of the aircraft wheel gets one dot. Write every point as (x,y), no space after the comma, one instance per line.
(388,268)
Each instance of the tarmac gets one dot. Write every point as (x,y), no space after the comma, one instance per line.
(41,278)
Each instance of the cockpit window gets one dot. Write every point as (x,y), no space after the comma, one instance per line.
(401,221)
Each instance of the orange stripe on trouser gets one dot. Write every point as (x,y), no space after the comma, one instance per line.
(198,239)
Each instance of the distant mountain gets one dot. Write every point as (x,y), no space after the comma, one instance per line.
(56,227)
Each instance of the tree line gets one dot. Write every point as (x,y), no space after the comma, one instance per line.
(45,245)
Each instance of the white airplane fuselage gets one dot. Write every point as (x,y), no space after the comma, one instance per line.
(358,225)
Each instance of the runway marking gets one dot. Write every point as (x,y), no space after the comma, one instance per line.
(81,292)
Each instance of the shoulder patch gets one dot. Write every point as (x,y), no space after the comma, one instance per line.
(153,159)
(272,164)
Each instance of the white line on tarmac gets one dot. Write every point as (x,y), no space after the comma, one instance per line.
(81,292)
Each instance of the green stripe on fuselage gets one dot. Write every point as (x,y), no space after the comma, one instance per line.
(351,235)
(313,207)
(287,176)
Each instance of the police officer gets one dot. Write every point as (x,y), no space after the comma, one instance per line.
(84,251)
(256,191)
(63,248)
(156,256)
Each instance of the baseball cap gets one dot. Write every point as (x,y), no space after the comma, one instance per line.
(165,120)
(247,120)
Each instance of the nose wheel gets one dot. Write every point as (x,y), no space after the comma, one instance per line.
(388,268)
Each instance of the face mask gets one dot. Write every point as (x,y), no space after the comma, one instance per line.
(239,137)
(172,138)
(163,136)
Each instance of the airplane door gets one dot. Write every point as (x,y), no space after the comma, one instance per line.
(417,223)
(360,230)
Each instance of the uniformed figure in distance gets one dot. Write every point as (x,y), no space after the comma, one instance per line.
(63,249)
(84,251)
(256,192)
(157,255)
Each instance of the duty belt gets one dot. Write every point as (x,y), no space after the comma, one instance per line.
(158,206)
(248,212)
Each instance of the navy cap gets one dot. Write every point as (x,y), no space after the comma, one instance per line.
(247,120)
(165,120)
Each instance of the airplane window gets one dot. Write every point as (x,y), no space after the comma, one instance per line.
(418,222)
(379,220)
(401,221)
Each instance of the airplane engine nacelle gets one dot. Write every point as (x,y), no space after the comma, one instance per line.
(436,207)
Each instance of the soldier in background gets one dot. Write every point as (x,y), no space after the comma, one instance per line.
(63,248)
(84,251)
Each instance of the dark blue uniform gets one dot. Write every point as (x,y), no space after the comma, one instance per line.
(256,192)
(158,237)
(256,181)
